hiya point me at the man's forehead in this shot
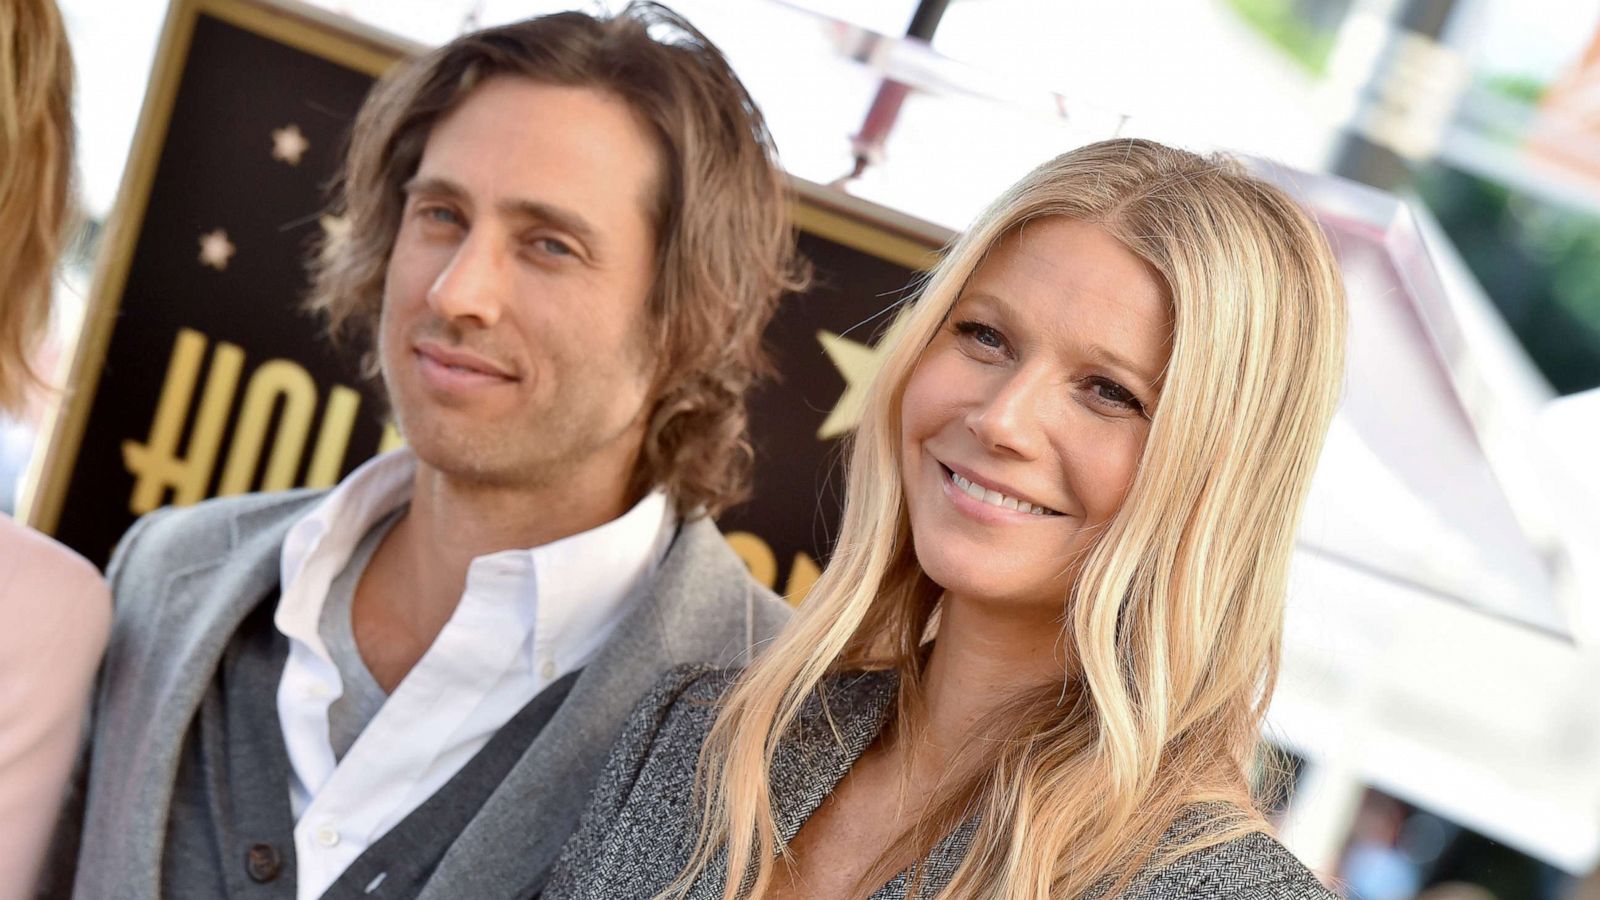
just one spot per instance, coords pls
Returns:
(517, 139)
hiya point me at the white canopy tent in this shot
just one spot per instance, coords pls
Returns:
(1440, 640)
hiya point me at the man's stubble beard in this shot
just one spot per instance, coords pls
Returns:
(547, 448)
(543, 449)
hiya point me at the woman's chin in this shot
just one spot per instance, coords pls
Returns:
(981, 564)
(995, 593)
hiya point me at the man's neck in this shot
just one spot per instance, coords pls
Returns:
(453, 521)
(416, 577)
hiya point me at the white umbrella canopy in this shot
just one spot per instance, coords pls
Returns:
(1569, 432)
(1436, 642)
(1489, 724)
(1424, 479)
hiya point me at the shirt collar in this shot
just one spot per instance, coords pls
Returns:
(318, 546)
(586, 582)
(569, 592)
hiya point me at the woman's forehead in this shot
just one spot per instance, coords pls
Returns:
(1062, 274)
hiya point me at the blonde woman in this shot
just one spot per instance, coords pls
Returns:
(54, 608)
(1037, 663)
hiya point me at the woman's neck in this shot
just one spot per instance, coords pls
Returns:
(982, 658)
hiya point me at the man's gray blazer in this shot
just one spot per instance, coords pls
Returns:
(183, 580)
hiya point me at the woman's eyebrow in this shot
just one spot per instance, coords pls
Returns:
(1108, 357)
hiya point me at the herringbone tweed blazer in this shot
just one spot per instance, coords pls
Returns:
(639, 829)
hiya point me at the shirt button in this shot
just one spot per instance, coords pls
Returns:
(262, 863)
(548, 670)
(328, 836)
(316, 690)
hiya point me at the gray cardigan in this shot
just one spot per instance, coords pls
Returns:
(183, 581)
(639, 829)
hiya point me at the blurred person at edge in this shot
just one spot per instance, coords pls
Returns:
(54, 604)
(566, 236)
(1037, 663)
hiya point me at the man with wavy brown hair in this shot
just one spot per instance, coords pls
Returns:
(565, 238)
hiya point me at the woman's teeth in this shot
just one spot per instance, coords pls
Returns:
(995, 498)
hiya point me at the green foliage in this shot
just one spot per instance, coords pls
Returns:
(1538, 261)
(1524, 88)
(1281, 23)
(1568, 244)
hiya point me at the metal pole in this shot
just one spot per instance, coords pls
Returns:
(925, 21)
(885, 109)
(1404, 82)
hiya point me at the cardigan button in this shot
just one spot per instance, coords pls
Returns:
(263, 863)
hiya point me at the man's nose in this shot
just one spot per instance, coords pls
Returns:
(475, 284)
(1009, 420)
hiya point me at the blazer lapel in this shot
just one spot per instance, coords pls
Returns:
(148, 708)
(822, 748)
(695, 609)
(815, 756)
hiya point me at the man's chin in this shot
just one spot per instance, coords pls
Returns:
(460, 453)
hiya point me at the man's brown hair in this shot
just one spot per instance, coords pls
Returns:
(725, 247)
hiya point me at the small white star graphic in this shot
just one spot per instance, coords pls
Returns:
(216, 249)
(289, 144)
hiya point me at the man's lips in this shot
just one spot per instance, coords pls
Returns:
(461, 361)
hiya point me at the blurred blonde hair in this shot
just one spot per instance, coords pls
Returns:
(36, 144)
(1173, 626)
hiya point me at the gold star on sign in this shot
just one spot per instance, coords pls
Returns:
(289, 144)
(857, 363)
(216, 249)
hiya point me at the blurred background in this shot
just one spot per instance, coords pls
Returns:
(1439, 707)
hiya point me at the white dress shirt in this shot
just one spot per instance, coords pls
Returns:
(526, 618)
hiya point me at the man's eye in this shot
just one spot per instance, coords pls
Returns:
(554, 247)
(444, 215)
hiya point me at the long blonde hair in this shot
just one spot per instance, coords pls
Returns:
(36, 144)
(1174, 624)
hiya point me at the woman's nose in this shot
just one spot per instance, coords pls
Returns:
(1009, 420)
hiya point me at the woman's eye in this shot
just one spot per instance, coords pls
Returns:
(1107, 391)
(982, 335)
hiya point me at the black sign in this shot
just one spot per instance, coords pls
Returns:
(199, 375)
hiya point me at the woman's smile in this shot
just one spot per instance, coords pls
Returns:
(981, 498)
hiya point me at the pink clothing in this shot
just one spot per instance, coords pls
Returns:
(55, 615)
